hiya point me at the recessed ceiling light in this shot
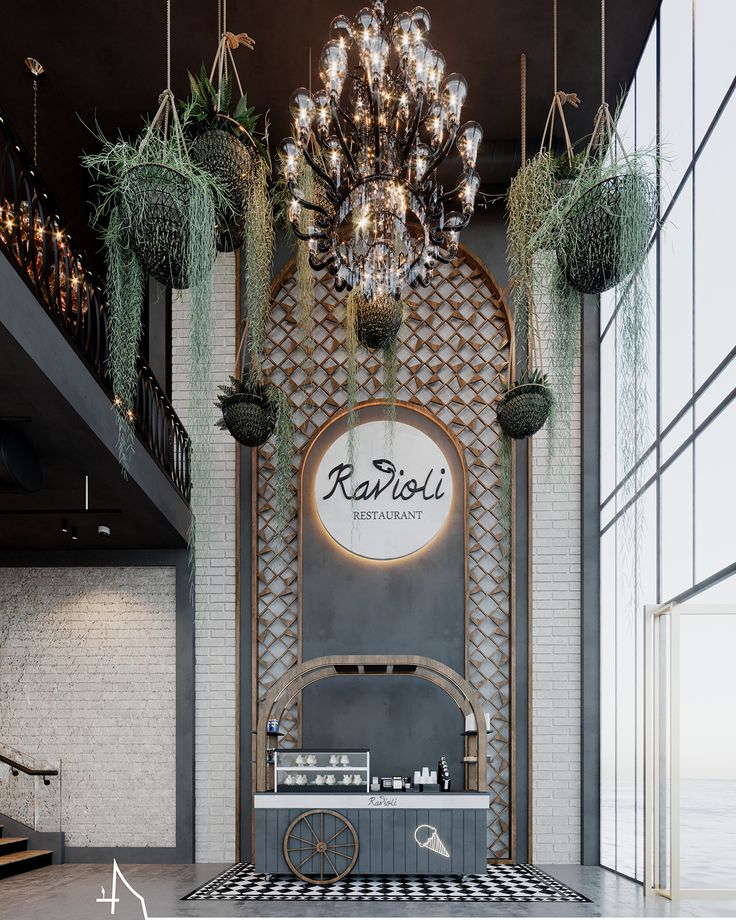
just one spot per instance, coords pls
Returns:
(64, 525)
(74, 533)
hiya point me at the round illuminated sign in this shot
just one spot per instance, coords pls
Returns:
(397, 499)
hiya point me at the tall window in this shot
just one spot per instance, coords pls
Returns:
(683, 98)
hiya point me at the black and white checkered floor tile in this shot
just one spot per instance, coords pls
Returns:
(500, 883)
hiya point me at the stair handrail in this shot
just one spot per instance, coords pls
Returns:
(17, 767)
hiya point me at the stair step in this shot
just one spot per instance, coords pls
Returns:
(10, 845)
(15, 863)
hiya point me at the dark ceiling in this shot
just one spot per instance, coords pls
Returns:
(106, 60)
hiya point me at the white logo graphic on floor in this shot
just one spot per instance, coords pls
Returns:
(427, 838)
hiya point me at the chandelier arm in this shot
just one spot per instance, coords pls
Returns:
(305, 203)
(441, 154)
(340, 136)
(317, 265)
(301, 235)
(376, 129)
(324, 176)
(414, 125)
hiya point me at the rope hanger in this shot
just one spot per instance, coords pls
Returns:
(604, 127)
(166, 118)
(559, 99)
(227, 42)
(533, 333)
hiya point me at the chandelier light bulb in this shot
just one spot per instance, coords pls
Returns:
(468, 142)
(421, 58)
(289, 157)
(341, 31)
(454, 95)
(302, 110)
(366, 23)
(470, 186)
(421, 21)
(380, 218)
(402, 33)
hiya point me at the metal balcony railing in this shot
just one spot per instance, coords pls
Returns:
(33, 237)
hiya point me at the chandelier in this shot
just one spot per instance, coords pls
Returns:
(374, 138)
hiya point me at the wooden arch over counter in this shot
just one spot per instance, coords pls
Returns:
(287, 688)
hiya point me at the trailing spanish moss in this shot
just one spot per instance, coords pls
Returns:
(125, 290)
(156, 212)
(259, 242)
(351, 347)
(283, 456)
(391, 374)
(530, 198)
(305, 278)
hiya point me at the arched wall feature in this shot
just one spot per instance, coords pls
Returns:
(454, 362)
(283, 693)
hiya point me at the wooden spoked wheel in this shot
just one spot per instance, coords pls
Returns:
(321, 847)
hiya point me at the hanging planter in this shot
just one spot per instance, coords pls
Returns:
(523, 410)
(225, 139)
(606, 231)
(154, 202)
(378, 320)
(249, 410)
(253, 410)
(226, 157)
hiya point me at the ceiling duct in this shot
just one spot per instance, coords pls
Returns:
(20, 470)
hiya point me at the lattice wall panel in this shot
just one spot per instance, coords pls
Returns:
(454, 361)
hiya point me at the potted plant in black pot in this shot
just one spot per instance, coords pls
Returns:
(524, 408)
(253, 410)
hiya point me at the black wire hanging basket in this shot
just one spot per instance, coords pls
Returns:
(156, 201)
(378, 320)
(606, 232)
(230, 160)
(250, 417)
(524, 409)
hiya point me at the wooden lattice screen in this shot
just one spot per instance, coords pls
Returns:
(454, 361)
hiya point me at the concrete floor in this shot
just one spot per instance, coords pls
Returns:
(69, 892)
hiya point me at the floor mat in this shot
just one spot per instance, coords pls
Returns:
(500, 883)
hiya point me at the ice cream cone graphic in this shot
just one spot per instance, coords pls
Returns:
(427, 838)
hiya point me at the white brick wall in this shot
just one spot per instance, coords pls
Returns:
(556, 660)
(215, 672)
(88, 676)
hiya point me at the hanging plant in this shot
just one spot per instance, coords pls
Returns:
(524, 407)
(156, 213)
(253, 409)
(225, 137)
(604, 233)
(377, 320)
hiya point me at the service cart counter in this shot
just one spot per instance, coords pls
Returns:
(318, 814)
(400, 833)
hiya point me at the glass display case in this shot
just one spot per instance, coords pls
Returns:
(312, 771)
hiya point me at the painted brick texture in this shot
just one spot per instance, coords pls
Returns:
(215, 587)
(556, 654)
(88, 677)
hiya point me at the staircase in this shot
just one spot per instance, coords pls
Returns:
(15, 857)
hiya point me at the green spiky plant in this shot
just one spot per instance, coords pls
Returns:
(214, 108)
(120, 173)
